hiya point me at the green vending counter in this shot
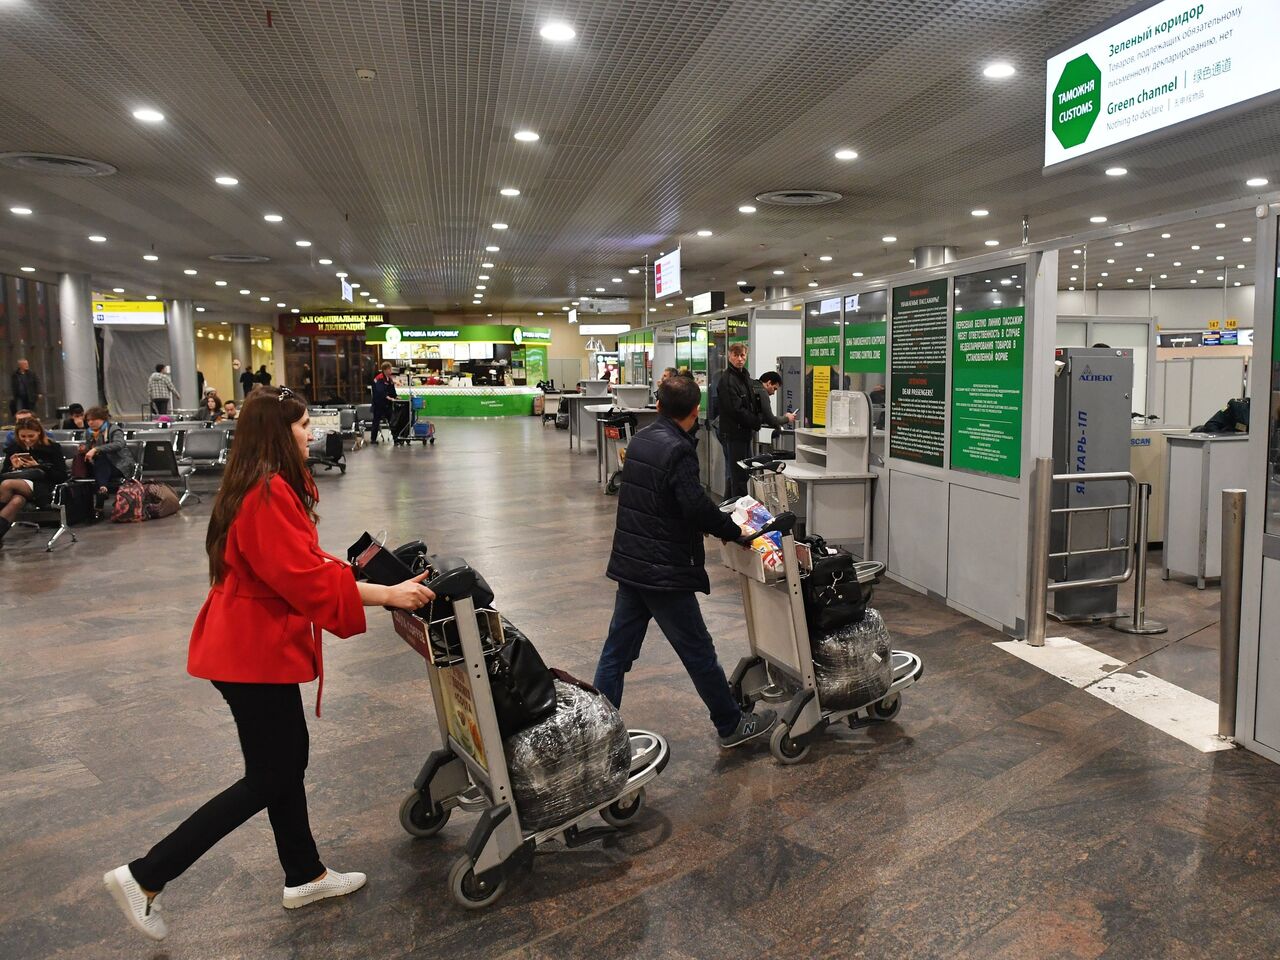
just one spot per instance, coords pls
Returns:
(471, 401)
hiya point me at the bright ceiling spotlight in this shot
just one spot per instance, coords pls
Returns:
(509, 192)
(526, 136)
(557, 31)
(272, 217)
(1115, 171)
(97, 238)
(889, 239)
(1098, 219)
(500, 226)
(492, 249)
(1000, 70)
(225, 181)
(979, 212)
(704, 233)
(302, 243)
(21, 211)
(324, 261)
(27, 269)
(147, 115)
(992, 243)
(825, 258)
(117, 289)
(1256, 182)
(189, 272)
(219, 283)
(856, 273)
(846, 154)
(150, 256)
(746, 208)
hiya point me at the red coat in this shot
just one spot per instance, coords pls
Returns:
(262, 622)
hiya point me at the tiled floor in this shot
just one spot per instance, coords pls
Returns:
(1005, 814)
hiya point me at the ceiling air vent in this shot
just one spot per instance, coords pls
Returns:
(240, 258)
(799, 198)
(55, 164)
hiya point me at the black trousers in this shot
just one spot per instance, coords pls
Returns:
(159, 407)
(273, 737)
(735, 477)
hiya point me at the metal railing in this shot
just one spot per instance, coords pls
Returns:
(1130, 508)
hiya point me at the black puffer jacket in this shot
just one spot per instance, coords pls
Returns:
(663, 513)
(736, 397)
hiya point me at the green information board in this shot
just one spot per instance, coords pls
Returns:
(864, 347)
(918, 378)
(535, 363)
(986, 391)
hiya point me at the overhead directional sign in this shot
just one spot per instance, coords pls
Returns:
(138, 313)
(1174, 61)
(666, 275)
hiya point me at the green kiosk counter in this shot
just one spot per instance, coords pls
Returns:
(472, 401)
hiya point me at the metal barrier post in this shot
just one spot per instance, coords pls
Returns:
(1233, 506)
(1038, 550)
(1138, 622)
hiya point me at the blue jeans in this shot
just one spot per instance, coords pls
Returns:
(680, 619)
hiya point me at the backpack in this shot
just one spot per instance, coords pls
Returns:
(130, 503)
(160, 501)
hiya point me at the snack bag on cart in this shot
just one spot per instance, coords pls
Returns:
(750, 512)
(572, 761)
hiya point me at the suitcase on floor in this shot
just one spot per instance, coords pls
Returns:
(562, 415)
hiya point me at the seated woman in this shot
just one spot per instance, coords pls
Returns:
(75, 418)
(210, 410)
(11, 435)
(106, 452)
(33, 465)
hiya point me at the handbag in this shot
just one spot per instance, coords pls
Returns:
(524, 691)
(833, 596)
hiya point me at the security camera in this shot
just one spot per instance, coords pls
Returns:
(746, 288)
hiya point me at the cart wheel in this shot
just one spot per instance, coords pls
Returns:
(784, 749)
(887, 708)
(432, 441)
(468, 890)
(621, 812)
(418, 820)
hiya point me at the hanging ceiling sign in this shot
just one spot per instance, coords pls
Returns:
(666, 275)
(1173, 62)
(604, 305)
(474, 333)
(136, 313)
(295, 324)
(347, 293)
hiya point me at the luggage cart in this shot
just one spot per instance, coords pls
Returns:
(781, 659)
(406, 428)
(470, 771)
(617, 429)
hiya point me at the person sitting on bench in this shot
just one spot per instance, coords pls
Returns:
(33, 466)
(107, 452)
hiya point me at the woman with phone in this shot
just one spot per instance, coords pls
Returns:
(257, 638)
(33, 466)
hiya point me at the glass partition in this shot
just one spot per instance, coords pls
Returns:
(1272, 527)
(864, 357)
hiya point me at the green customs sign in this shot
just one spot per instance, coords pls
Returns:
(864, 347)
(918, 374)
(986, 391)
(1077, 100)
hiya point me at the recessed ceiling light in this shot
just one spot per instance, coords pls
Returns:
(150, 256)
(1149, 255)
(483, 276)
(979, 212)
(704, 233)
(117, 289)
(509, 192)
(499, 226)
(324, 261)
(1116, 171)
(272, 217)
(557, 31)
(746, 208)
(487, 265)
(615, 279)
(825, 258)
(1195, 246)
(1221, 278)
(1165, 236)
(634, 270)
(1246, 239)
(294, 310)
(97, 238)
(151, 296)
(889, 239)
(1137, 269)
(280, 303)
(27, 269)
(599, 289)
(1177, 263)
(747, 300)
(1110, 260)
(481, 286)
(1240, 266)
(1128, 280)
(199, 309)
(354, 286)
(341, 273)
(651, 309)
(147, 115)
(1075, 278)
(302, 243)
(1119, 243)
(778, 273)
(856, 273)
(576, 302)
(492, 249)
(1193, 280)
(1220, 257)
(265, 299)
(245, 292)
(992, 243)
(1098, 219)
(1105, 274)
(1164, 276)
(21, 211)
(1256, 182)
(526, 136)
(219, 283)
(225, 181)
(1199, 271)
(813, 283)
(1220, 226)
(668, 304)
(999, 70)
(1075, 266)
(1075, 251)
(846, 154)
(189, 272)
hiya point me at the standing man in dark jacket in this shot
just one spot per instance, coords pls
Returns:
(658, 562)
(248, 381)
(739, 418)
(383, 391)
(769, 384)
(24, 392)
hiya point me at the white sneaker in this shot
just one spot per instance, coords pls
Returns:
(137, 906)
(333, 884)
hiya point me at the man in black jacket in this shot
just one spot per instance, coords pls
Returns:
(24, 389)
(658, 562)
(739, 418)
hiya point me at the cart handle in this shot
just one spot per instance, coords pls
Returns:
(783, 523)
(755, 466)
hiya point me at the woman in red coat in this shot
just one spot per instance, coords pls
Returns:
(257, 637)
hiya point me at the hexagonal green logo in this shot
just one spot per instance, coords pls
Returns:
(1077, 101)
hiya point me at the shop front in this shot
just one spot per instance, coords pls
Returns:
(327, 356)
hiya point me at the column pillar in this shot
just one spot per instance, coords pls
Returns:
(934, 256)
(79, 347)
(242, 350)
(180, 320)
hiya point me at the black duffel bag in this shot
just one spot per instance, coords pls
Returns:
(524, 691)
(833, 597)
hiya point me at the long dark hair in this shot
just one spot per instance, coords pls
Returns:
(264, 446)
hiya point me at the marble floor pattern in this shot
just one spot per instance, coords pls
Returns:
(1004, 814)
